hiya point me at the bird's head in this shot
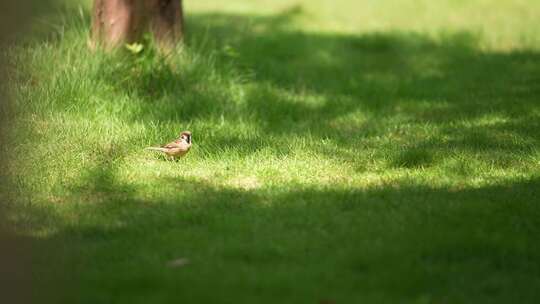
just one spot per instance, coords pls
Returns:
(186, 136)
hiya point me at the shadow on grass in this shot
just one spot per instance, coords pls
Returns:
(302, 83)
(424, 93)
(387, 244)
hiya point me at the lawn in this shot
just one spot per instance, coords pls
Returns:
(344, 152)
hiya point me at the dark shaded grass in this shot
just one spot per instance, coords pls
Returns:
(401, 243)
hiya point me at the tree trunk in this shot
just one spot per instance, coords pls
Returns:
(167, 21)
(115, 22)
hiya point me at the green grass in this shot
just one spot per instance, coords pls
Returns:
(344, 151)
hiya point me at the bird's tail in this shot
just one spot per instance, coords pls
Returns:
(156, 149)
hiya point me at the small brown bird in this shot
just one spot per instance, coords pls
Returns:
(177, 148)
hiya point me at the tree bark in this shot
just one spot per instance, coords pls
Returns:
(115, 22)
(167, 21)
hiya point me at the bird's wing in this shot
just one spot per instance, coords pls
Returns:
(172, 145)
